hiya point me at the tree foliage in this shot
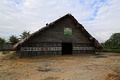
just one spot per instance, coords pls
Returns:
(2, 40)
(24, 34)
(113, 42)
(13, 39)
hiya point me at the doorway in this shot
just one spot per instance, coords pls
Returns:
(66, 48)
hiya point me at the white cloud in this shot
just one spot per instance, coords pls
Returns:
(19, 15)
(106, 22)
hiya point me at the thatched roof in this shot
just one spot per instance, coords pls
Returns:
(84, 31)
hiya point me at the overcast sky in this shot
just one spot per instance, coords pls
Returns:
(101, 18)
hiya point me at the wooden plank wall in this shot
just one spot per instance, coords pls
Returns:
(55, 49)
(82, 48)
(41, 49)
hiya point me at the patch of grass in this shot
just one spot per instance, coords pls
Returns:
(116, 54)
(101, 56)
(8, 73)
(14, 56)
(44, 69)
(5, 52)
(112, 50)
(50, 78)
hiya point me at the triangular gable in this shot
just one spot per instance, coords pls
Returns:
(84, 31)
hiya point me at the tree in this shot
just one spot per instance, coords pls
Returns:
(113, 42)
(24, 34)
(2, 41)
(13, 39)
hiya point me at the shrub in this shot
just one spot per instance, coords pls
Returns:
(5, 52)
(112, 50)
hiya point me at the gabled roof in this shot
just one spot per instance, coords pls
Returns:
(81, 28)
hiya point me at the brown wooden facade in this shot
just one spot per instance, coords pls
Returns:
(51, 40)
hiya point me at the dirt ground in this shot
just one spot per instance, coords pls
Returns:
(103, 66)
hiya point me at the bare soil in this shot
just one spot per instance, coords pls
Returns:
(103, 66)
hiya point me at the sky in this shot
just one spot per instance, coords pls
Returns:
(101, 18)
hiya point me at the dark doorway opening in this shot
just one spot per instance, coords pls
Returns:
(66, 48)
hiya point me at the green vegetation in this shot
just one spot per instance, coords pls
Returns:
(50, 78)
(2, 40)
(5, 52)
(112, 50)
(43, 69)
(112, 44)
(14, 56)
(14, 39)
(24, 34)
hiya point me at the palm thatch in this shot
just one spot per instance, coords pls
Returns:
(81, 28)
